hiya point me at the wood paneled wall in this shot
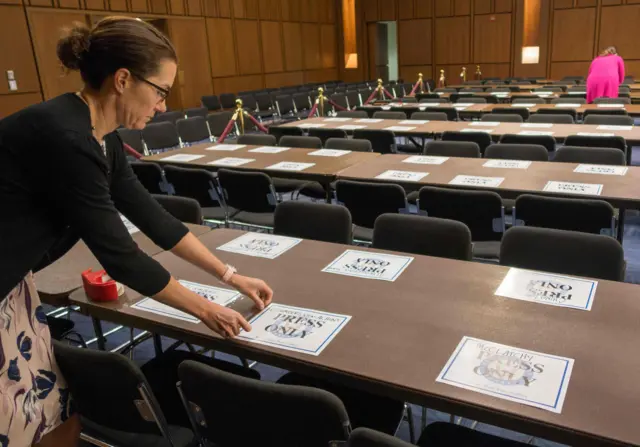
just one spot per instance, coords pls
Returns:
(223, 46)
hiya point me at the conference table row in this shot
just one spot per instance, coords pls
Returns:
(399, 338)
(536, 86)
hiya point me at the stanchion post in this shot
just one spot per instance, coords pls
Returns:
(478, 73)
(463, 75)
(442, 81)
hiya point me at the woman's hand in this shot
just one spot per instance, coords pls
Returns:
(254, 288)
(224, 321)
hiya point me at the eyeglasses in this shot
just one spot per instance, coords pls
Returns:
(162, 92)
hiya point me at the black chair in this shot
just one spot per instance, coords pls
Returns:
(409, 99)
(134, 415)
(382, 141)
(354, 99)
(528, 100)
(422, 235)
(591, 155)
(325, 134)
(287, 108)
(280, 131)
(300, 142)
(444, 434)
(352, 114)
(133, 137)
(196, 111)
(522, 111)
(228, 100)
(302, 102)
(200, 185)
(502, 117)
(584, 215)
(437, 100)
(547, 141)
(211, 102)
(564, 252)
(298, 416)
(463, 149)
(251, 194)
(184, 209)
(151, 176)
(218, 122)
(429, 116)
(368, 201)
(258, 140)
(530, 152)
(590, 141)
(612, 101)
(193, 130)
(421, 96)
(168, 117)
(481, 211)
(571, 100)
(265, 106)
(317, 221)
(452, 112)
(618, 112)
(390, 115)
(472, 100)
(609, 120)
(546, 116)
(482, 139)
(349, 144)
(163, 135)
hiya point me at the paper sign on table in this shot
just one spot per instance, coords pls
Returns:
(601, 169)
(290, 166)
(329, 153)
(542, 93)
(534, 125)
(526, 105)
(385, 107)
(608, 127)
(577, 93)
(596, 134)
(423, 108)
(472, 180)
(610, 106)
(270, 149)
(566, 105)
(484, 123)
(459, 107)
(351, 127)
(260, 245)
(510, 373)
(574, 188)
(215, 294)
(310, 125)
(407, 176)
(399, 128)
(226, 147)
(370, 265)
(477, 130)
(414, 122)
(131, 228)
(231, 161)
(500, 93)
(336, 120)
(425, 160)
(507, 164)
(535, 132)
(369, 120)
(182, 157)
(294, 328)
(463, 104)
(547, 288)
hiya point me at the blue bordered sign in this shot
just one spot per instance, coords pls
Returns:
(294, 328)
(528, 377)
(370, 265)
(548, 288)
(260, 245)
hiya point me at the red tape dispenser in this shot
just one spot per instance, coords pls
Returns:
(100, 287)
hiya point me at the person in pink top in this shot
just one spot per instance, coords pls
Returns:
(605, 75)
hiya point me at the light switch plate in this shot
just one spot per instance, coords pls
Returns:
(13, 85)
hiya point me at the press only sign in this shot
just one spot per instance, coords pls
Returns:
(295, 329)
(260, 245)
(369, 265)
(510, 373)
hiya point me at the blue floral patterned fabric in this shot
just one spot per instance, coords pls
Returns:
(34, 398)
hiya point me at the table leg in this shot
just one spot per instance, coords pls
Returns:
(97, 327)
(621, 216)
(327, 192)
(157, 344)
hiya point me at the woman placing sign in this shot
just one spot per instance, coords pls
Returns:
(64, 176)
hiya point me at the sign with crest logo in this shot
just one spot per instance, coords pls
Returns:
(260, 245)
(371, 265)
(295, 329)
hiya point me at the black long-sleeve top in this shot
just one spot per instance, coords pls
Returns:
(57, 185)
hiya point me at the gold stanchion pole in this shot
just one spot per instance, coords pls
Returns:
(463, 74)
(478, 73)
(321, 100)
(240, 114)
(442, 82)
(421, 82)
(379, 90)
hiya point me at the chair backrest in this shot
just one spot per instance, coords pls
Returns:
(132, 137)
(257, 139)
(564, 252)
(609, 120)
(197, 184)
(552, 118)
(218, 121)
(423, 235)
(297, 415)
(547, 141)
(585, 215)
(247, 191)
(194, 129)
(558, 111)
(161, 135)
(483, 139)
(184, 209)
(589, 141)
(522, 111)
(348, 144)
(612, 101)
(264, 101)
(280, 131)
(481, 211)
(101, 376)
(301, 100)
(409, 99)
(602, 111)
(285, 104)
(325, 134)
(502, 117)
(473, 100)
(150, 175)
(529, 152)
(340, 99)
(352, 114)
(528, 100)
(590, 155)
(354, 99)
(228, 100)
(196, 111)
(429, 116)
(249, 102)
(452, 112)
(365, 437)
(382, 141)
(318, 221)
(168, 117)
(211, 102)
(572, 100)
(301, 142)
(366, 201)
(463, 149)
(390, 115)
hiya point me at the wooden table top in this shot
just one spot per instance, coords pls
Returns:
(63, 276)
(632, 109)
(402, 333)
(324, 170)
(621, 191)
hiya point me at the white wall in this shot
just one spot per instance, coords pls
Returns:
(392, 41)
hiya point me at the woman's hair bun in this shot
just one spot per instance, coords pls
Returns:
(73, 46)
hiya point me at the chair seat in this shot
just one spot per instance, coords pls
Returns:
(362, 233)
(486, 250)
(443, 434)
(248, 218)
(182, 437)
(364, 409)
(287, 185)
(214, 213)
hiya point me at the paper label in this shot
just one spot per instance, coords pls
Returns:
(336, 120)
(310, 125)
(329, 153)
(399, 128)
(351, 127)
(414, 122)
(290, 166)
(260, 245)
(407, 176)
(185, 158)
(485, 123)
(596, 134)
(574, 188)
(226, 147)
(370, 265)
(425, 160)
(477, 130)
(610, 106)
(471, 180)
(369, 120)
(269, 149)
(535, 132)
(571, 106)
(231, 161)
(534, 125)
(507, 164)
(601, 169)
(604, 127)
(525, 105)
